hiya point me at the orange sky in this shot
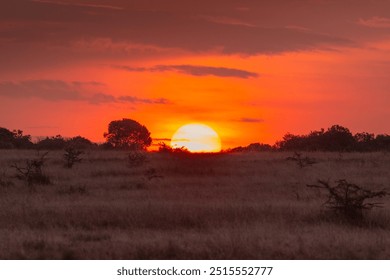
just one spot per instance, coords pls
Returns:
(252, 71)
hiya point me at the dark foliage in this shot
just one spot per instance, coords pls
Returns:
(136, 158)
(254, 147)
(72, 156)
(80, 143)
(53, 143)
(302, 161)
(128, 134)
(32, 171)
(335, 139)
(14, 139)
(349, 199)
(164, 148)
(131, 135)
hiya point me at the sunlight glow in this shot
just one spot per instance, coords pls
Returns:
(198, 138)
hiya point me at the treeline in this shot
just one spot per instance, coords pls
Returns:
(17, 140)
(335, 139)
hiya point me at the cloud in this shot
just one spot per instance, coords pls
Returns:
(134, 99)
(375, 22)
(250, 120)
(100, 98)
(58, 90)
(53, 90)
(227, 20)
(78, 4)
(161, 139)
(194, 70)
(171, 24)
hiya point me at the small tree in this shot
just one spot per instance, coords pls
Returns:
(80, 142)
(128, 134)
(349, 199)
(6, 139)
(136, 158)
(302, 161)
(72, 156)
(15, 139)
(53, 143)
(32, 172)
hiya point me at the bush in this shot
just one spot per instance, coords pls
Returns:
(136, 158)
(32, 172)
(52, 143)
(72, 156)
(349, 199)
(302, 161)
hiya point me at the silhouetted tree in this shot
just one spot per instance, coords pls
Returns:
(14, 139)
(335, 138)
(254, 147)
(79, 142)
(128, 134)
(6, 139)
(338, 138)
(365, 141)
(22, 141)
(52, 143)
(382, 142)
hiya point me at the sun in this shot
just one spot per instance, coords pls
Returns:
(196, 138)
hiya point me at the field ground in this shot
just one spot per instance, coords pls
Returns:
(228, 206)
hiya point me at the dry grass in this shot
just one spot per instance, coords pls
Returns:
(233, 206)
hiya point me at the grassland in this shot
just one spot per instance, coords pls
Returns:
(226, 206)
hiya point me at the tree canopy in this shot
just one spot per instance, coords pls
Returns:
(336, 138)
(128, 134)
(14, 139)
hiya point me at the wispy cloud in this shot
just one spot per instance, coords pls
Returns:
(194, 70)
(134, 99)
(58, 90)
(78, 4)
(250, 120)
(375, 22)
(227, 21)
(53, 90)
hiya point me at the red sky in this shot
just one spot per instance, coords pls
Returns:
(253, 70)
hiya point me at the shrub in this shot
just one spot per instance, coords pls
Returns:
(164, 148)
(349, 199)
(302, 161)
(53, 143)
(32, 172)
(136, 158)
(72, 156)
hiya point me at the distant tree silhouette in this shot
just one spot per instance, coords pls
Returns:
(254, 147)
(14, 139)
(53, 143)
(335, 138)
(79, 142)
(6, 139)
(128, 134)
(382, 142)
(338, 138)
(365, 141)
(22, 141)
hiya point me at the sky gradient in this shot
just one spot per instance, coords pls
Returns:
(252, 70)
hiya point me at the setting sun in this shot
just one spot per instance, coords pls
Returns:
(196, 138)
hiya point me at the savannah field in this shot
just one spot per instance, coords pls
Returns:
(221, 206)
